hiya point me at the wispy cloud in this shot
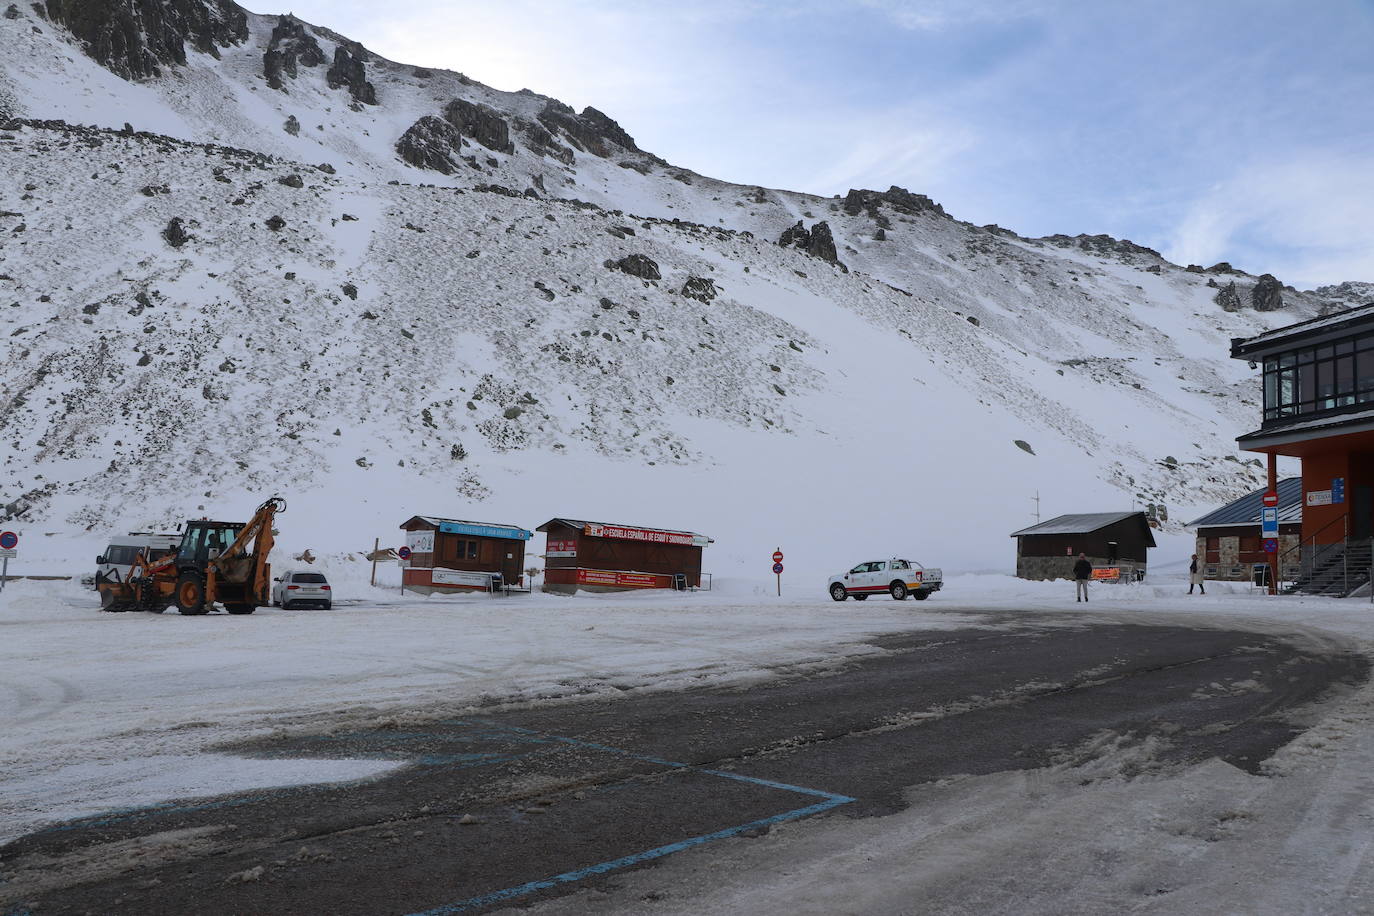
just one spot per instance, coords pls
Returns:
(1305, 219)
(1227, 130)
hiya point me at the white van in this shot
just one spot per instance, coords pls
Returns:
(114, 564)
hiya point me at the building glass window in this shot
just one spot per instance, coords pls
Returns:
(1329, 377)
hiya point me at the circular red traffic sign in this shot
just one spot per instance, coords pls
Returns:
(403, 553)
(777, 568)
(777, 556)
(1271, 499)
(8, 540)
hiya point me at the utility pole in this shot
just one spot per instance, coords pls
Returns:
(1036, 499)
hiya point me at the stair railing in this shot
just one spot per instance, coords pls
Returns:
(1307, 559)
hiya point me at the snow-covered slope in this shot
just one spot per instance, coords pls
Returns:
(206, 307)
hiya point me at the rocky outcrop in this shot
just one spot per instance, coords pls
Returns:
(1228, 298)
(290, 44)
(859, 200)
(607, 128)
(702, 289)
(480, 122)
(432, 143)
(1267, 294)
(1101, 244)
(136, 38)
(590, 131)
(542, 143)
(1347, 294)
(11, 12)
(175, 233)
(636, 265)
(349, 70)
(816, 241)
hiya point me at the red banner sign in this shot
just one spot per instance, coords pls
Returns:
(639, 534)
(1107, 572)
(619, 579)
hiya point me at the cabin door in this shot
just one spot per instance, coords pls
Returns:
(510, 564)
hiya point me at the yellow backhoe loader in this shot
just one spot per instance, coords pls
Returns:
(224, 562)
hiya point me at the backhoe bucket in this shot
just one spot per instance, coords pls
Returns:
(116, 596)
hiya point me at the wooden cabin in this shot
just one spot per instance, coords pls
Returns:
(453, 555)
(1115, 543)
(602, 557)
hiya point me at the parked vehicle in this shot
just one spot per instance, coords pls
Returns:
(897, 577)
(224, 562)
(114, 564)
(299, 587)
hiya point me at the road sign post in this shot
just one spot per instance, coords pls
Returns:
(9, 543)
(403, 557)
(1269, 530)
(777, 568)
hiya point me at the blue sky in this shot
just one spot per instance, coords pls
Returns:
(1210, 130)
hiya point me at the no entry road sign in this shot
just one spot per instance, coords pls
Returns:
(1270, 498)
(777, 556)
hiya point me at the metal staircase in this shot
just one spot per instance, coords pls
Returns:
(1335, 570)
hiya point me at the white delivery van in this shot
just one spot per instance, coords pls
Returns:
(119, 556)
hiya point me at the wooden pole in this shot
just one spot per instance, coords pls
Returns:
(376, 545)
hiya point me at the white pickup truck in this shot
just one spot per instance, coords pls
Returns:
(898, 578)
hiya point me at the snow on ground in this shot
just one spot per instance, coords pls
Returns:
(129, 703)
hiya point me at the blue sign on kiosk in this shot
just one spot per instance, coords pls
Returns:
(1337, 490)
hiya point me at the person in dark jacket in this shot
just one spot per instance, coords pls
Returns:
(1195, 577)
(1082, 574)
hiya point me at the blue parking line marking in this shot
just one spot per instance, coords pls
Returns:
(525, 736)
(832, 800)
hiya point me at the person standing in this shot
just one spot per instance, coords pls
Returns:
(1195, 577)
(1082, 574)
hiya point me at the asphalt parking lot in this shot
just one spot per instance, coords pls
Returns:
(509, 807)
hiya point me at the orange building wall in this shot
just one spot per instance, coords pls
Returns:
(1324, 523)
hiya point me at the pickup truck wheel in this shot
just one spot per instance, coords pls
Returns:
(837, 592)
(898, 590)
(922, 595)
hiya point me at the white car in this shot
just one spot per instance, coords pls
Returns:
(114, 564)
(895, 576)
(299, 587)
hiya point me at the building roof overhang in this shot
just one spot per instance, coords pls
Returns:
(1303, 437)
(1084, 523)
(476, 529)
(1304, 333)
(582, 525)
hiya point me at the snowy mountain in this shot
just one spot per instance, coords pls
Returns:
(275, 261)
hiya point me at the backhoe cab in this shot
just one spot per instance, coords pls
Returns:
(224, 562)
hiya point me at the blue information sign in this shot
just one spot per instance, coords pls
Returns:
(1337, 490)
(1269, 522)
